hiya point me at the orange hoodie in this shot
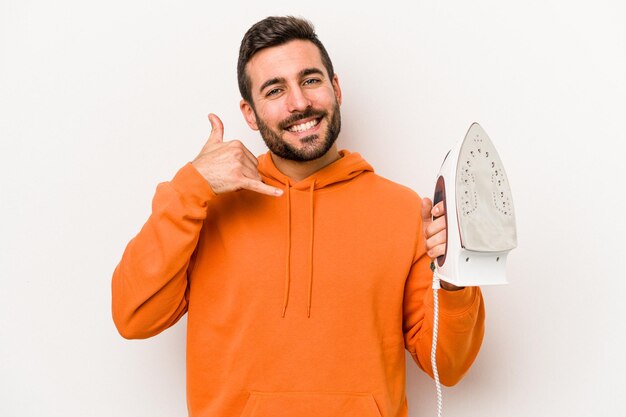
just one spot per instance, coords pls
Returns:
(298, 306)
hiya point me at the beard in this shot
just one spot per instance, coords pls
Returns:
(311, 149)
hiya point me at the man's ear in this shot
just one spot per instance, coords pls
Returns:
(248, 114)
(336, 88)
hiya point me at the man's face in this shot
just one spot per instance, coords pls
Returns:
(296, 105)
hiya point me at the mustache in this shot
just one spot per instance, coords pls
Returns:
(309, 112)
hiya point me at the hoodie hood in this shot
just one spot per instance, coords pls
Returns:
(347, 167)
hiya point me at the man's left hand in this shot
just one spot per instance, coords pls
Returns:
(435, 233)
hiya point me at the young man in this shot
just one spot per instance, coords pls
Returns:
(303, 288)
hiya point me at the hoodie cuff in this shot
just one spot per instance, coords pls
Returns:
(194, 188)
(452, 303)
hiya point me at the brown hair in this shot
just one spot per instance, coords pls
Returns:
(274, 31)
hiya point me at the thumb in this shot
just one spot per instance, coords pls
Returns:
(427, 206)
(217, 129)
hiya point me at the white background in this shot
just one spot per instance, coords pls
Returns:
(100, 101)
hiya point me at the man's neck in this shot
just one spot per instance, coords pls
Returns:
(297, 171)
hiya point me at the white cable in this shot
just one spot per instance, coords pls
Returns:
(433, 351)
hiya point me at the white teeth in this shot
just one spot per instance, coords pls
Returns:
(303, 126)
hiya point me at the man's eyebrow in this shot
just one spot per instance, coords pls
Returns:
(271, 81)
(278, 80)
(309, 71)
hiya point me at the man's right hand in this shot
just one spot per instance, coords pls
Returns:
(229, 166)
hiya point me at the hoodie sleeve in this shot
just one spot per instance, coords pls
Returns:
(461, 322)
(149, 285)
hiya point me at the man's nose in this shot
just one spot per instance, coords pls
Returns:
(297, 100)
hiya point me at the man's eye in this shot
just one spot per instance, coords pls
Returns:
(311, 81)
(273, 92)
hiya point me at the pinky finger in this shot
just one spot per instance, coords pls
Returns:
(260, 187)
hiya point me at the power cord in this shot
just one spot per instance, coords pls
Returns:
(433, 351)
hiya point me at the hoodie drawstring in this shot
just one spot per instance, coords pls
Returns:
(288, 257)
(308, 309)
(288, 267)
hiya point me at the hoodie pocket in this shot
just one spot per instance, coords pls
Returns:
(310, 404)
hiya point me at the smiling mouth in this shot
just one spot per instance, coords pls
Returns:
(301, 127)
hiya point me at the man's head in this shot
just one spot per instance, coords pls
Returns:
(289, 90)
(275, 31)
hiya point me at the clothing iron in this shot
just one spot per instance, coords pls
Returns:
(479, 213)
